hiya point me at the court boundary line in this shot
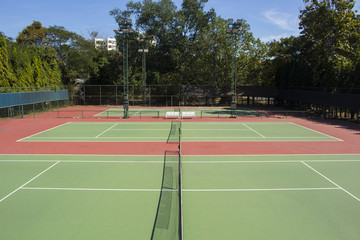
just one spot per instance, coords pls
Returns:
(257, 189)
(115, 155)
(183, 189)
(108, 129)
(183, 162)
(43, 131)
(96, 115)
(337, 139)
(262, 138)
(32, 179)
(331, 181)
(96, 189)
(253, 130)
(84, 161)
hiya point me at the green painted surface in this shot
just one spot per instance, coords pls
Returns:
(274, 197)
(159, 132)
(45, 214)
(282, 215)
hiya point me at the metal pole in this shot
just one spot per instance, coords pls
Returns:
(235, 29)
(214, 76)
(116, 95)
(144, 75)
(126, 77)
(233, 78)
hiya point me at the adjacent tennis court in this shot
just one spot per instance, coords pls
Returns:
(223, 197)
(191, 131)
(199, 112)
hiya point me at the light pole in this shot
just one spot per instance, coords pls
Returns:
(125, 29)
(234, 28)
(144, 51)
(146, 40)
(214, 80)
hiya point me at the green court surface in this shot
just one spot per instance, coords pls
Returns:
(191, 131)
(273, 197)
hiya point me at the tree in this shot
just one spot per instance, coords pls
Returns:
(330, 34)
(33, 35)
(6, 74)
(74, 52)
(192, 44)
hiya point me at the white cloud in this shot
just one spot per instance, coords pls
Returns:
(284, 21)
(274, 37)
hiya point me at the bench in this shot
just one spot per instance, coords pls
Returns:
(188, 114)
(172, 115)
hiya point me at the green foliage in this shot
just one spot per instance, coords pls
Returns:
(326, 54)
(33, 66)
(33, 35)
(192, 45)
(192, 49)
(74, 52)
(6, 74)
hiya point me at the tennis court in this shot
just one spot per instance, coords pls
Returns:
(223, 197)
(191, 131)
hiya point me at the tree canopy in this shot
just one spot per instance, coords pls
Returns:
(193, 48)
(192, 44)
(326, 54)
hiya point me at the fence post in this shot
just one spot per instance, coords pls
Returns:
(100, 95)
(22, 111)
(116, 97)
(149, 96)
(84, 96)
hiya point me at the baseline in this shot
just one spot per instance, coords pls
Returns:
(338, 139)
(331, 181)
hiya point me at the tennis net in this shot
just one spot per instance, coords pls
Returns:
(169, 219)
(174, 133)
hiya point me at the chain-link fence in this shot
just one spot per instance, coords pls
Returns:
(167, 95)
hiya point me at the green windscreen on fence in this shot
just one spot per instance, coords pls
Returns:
(26, 98)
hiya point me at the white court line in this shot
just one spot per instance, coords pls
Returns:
(87, 161)
(139, 129)
(190, 129)
(183, 161)
(90, 137)
(252, 155)
(106, 130)
(28, 182)
(184, 189)
(94, 189)
(43, 131)
(264, 161)
(317, 132)
(213, 129)
(185, 137)
(254, 130)
(98, 114)
(352, 195)
(257, 189)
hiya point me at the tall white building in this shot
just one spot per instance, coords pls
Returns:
(108, 44)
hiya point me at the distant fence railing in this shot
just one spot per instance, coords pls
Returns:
(208, 95)
(346, 101)
(26, 98)
(18, 104)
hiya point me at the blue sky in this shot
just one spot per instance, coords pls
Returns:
(268, 19)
